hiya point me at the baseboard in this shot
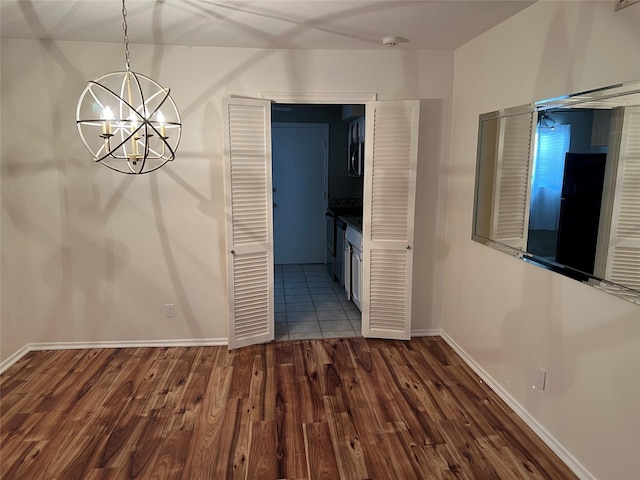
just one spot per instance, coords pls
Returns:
(204, 342)
(427, 332)
(32, 347)
(14, 358)
(571, 462)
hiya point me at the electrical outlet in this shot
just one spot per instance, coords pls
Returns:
(542, 378)
(169, 310)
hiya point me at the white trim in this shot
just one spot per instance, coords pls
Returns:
(33, 347)
(557, 448)
(14, 358)
(427, 332)
(204, 342)
(319, 97)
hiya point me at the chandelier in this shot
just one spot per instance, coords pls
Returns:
(128, 121)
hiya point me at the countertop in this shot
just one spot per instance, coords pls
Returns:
(354, 221)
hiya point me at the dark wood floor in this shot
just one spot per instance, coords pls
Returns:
(321, 409)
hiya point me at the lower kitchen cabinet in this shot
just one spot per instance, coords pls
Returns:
(356, 275)
(353, 259)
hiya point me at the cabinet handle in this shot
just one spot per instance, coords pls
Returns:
(408, 247)
(233, 252)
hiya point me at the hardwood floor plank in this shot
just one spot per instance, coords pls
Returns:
(262, 387)
(171, 455)
(352, 409)
(200, 462)
(376, 437)
(410, 413)
(262, 461)
(79, 454)
(484, 434)
(290, 438)
(504, 464)
(242, 367)
(102, 474)
(240, 455)
(284, 353)
(14, 462)
(408, 457)
(347, 447)
(465, 449)
(321, 459)
(311, 383)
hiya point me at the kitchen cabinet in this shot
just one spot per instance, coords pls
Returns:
(349, 112)
(346, 263)
(331, 244)
(341, 228)
(356, 276)
(353, 282)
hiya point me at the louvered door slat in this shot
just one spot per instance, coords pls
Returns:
(623, 263)
(249, 220)
(390, 176)
(510, 217)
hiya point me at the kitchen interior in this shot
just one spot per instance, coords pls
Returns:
(322, 300)
(567, 187)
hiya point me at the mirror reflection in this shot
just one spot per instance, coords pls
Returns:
(558, 184)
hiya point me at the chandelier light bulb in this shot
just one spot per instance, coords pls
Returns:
(161, 121)
(107, 114)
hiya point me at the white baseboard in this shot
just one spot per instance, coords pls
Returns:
(14, 358)
(32, 347)
(571, 462)
(427, 332)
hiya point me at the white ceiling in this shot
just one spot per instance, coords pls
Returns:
(305, 24)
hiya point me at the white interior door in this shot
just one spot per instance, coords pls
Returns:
(391, 158)
(623, 252)
(248, 198)
(512, 192)
(299, 191)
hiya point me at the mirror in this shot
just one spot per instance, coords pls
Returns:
(558, 185)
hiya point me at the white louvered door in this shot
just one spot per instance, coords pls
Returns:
(391, 157)
(623, 253)
(248, 197)
(510, 215)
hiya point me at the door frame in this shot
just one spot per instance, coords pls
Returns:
(321, 98)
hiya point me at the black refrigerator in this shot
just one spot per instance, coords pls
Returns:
(580, 210)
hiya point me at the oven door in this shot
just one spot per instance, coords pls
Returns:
(331, 245)
(331, 235)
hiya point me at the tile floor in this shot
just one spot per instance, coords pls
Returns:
(308, 304)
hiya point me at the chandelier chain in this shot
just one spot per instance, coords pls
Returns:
(126, 37)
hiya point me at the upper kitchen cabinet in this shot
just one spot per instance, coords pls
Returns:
(351, 112)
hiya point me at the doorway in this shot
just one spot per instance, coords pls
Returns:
(392, 132)
(310, 302)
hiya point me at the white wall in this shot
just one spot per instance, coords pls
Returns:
(512, 317)
(92, 255)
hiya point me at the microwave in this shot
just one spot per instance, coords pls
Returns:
(356, 159)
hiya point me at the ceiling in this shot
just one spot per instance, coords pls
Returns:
(299, 24)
